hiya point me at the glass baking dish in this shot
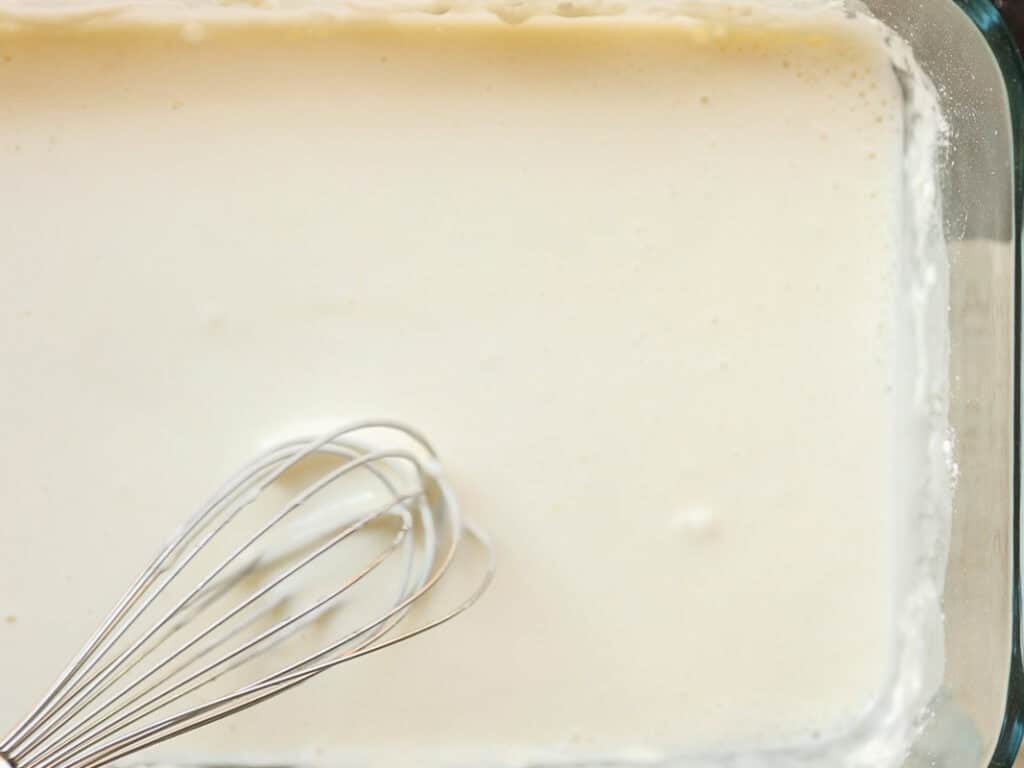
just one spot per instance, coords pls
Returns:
(970, 54)
(977, 716)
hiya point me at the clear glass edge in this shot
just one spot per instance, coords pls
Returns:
(1004, 48)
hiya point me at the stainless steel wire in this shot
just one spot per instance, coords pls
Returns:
(170, 657)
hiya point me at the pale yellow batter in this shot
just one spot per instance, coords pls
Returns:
(637, 280)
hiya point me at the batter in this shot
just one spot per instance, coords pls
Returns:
(637, 279)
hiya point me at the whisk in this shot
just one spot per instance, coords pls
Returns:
(191, 641)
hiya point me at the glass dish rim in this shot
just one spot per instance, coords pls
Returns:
(1005, 48)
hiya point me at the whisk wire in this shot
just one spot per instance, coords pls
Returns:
(102, 706)
(260, 692)
(132, 714)
(235, 497)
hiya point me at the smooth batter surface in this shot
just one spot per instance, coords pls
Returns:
(636, 281)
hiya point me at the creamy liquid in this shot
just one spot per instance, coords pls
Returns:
(638, 282)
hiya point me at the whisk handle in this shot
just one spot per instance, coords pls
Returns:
(6, 762)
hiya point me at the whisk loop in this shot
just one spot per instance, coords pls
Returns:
(149, 673)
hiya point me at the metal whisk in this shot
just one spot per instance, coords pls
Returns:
(217, 622)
